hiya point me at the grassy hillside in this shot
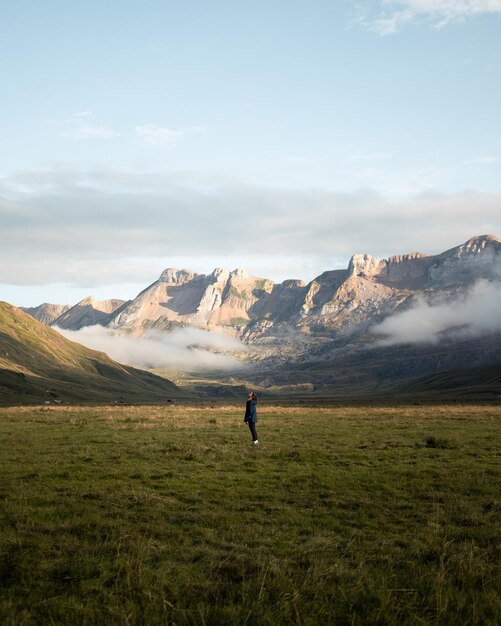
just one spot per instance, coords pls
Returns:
(169, 515)
(37, 363)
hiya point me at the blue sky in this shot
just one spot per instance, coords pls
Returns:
(282, 136)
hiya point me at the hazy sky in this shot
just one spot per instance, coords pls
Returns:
(279, 135)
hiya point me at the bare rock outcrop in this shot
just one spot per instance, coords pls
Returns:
(479, 257)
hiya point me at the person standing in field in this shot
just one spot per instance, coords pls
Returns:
(251, 415)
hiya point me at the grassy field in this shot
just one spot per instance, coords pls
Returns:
(169, 515)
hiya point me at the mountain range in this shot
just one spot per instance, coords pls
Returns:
(253, 307)
(323, 332)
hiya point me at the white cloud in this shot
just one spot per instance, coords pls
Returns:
(78, 128)
(84, 131)
(471, 316)
(184, 349)
(393, 15)
(158, 136)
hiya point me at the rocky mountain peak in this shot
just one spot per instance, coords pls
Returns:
(46, 312)
(220, 274)
(239, 273)
(290, 283)
(479, 257)
(484, 238)
(403, 258)
(88, 301)
(106, 306)
(476, 245)
(173, 275)
(364, 264)
(88, 312)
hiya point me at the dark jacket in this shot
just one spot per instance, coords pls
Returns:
(250, 411)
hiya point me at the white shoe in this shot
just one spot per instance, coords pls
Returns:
(255, 442)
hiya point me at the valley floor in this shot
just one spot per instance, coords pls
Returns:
(169, 515)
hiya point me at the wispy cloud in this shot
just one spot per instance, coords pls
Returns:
(471, 316)
(162, 136)
(157, 135)
(79, 127)
(90, 132)
(393, 15)
(185, 349)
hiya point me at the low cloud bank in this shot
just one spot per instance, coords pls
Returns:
(90, 228)
(477, 313)
(184, 349)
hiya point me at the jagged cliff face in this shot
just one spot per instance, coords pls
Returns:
(295, 317)
(374, 288)
(260, 310)
(222, 298)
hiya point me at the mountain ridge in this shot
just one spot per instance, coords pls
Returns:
(88, 312)
(259, 310)
(46, 312)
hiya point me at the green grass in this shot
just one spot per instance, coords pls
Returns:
(168, 515)
(239, 294)
(238, 321)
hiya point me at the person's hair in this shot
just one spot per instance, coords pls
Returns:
(254, 397)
